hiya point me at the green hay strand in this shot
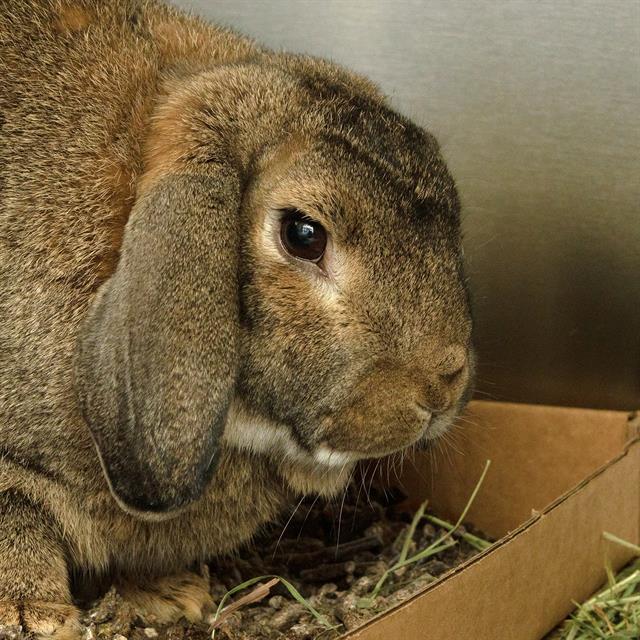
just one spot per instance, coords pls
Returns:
(295, 594)
(443, 543)
(614, 612)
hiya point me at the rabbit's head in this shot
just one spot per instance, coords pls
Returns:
(290, 283)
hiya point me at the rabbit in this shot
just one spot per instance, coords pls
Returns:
(227, 275)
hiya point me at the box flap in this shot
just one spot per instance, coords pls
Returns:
(526, 583)
(537, 452)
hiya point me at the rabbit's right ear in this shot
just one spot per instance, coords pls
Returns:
(157, 356)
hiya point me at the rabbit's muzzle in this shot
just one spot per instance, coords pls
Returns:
(394, 405)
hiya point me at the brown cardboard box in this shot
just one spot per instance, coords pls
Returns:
(559, 477)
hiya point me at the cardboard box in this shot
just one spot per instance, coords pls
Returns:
(559, 477)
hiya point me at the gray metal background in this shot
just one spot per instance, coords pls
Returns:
(536, 107)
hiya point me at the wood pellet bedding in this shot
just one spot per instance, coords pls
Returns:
(333, 553)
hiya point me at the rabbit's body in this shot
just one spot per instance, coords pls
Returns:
(73, 118)
(104, 107)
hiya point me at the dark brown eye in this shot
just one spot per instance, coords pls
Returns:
(302, 237)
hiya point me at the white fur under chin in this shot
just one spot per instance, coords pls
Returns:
(324, 470)
(261, 436)
(331, 458)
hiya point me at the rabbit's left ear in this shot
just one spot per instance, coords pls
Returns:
(157, 356)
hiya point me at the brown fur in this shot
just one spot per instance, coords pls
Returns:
(71, 19)
(168, 598)
(147, 314)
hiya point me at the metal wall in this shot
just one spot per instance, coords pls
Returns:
(536, 106)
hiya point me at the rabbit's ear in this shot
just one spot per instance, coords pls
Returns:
(157, 357)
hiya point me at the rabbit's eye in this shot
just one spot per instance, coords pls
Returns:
(302, 237)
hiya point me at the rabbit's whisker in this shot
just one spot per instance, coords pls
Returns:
(285, 526)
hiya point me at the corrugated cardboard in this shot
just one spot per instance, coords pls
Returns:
(559, 478)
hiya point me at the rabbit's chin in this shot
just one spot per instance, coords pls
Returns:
(258, 435)
(322, 470)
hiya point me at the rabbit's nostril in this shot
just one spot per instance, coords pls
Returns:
(451, 378)
(452, 364)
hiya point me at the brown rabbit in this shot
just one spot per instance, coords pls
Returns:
(226, 275)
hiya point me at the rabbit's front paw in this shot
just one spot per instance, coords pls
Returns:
(42, 620)
(167, 599)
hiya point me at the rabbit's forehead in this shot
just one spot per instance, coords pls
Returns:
(351, 187)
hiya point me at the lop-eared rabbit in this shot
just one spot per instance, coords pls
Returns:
(226, 275)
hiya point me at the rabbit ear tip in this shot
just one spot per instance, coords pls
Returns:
(154, 502)
(152, 487)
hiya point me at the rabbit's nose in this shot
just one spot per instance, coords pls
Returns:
(447, 378)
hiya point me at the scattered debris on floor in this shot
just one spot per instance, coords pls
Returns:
(324, 570)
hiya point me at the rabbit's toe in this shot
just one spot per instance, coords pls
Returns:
(42, 620)
(167, 599)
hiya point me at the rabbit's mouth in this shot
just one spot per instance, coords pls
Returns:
(325, 467)
(439, 424)
(247, 432)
